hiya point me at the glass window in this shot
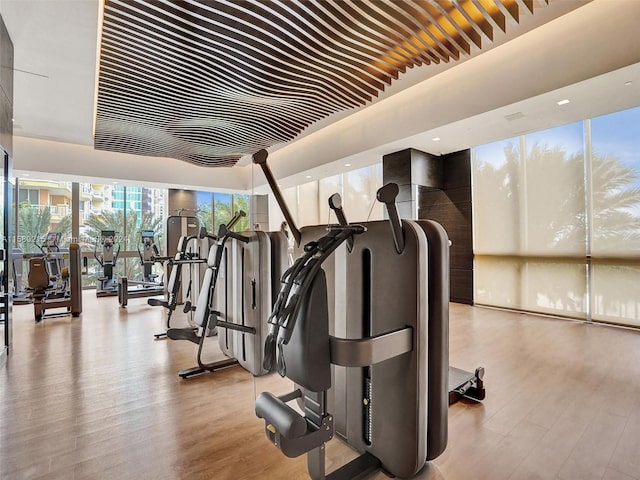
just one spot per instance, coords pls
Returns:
(204, 209)
(29, 195)
(615, 226)
(241, 202)
(545, 224)
(615, 170)
(127, 210)
(359, 197)
(308, 204)
(222, 209)
(145, 212)
(496, 197)
(529, 222)
(44, 206)
(103, 210)
(615, 290)
(554, 197)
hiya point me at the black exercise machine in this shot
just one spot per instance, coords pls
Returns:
(205, 315)
(377, 357)
(148, 286)
(461, 383)
(53, 291)
(107, 259)
(182, 258)
(236, 297)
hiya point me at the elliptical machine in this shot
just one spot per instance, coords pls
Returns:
(107, 286)
(148, 286)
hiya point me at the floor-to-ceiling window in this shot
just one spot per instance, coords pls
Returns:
(204, 210)
(44, 206)
(615, 217)
(556, 215)
(309, 205)
(216, 208)
(127, 211)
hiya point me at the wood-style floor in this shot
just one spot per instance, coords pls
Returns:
(97, 398)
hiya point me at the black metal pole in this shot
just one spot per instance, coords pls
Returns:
(260, 158)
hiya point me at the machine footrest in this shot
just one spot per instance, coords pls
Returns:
(466, 384)
(183, 334)
(156, 302)
(357, 469)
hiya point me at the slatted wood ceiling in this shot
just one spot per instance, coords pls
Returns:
(211, 81)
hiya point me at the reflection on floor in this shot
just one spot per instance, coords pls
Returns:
(96, 397)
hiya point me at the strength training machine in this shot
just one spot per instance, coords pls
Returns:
(236, 298)
(51, 290)
(361, 328)
(184, 257)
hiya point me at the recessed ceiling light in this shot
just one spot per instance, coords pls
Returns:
(308, 176)
(564, 102)
(436, 139)
(24, 174)
(347, 164)
(627, 83)
(115, 183)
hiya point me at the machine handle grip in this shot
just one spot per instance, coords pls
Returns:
(387, 195)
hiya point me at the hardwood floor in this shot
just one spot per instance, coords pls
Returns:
(96, 397)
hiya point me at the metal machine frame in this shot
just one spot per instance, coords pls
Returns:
(147, 287)
(364, 337)
(107, 260)
(43, 292)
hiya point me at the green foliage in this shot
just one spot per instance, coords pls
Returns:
(115, 220)
(222, 213)
(241, 202)
(204, 213)
(34, 224)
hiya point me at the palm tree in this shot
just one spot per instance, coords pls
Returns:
(204, 213)
(222, 213)
(34, 224)
(556, 215)
(127, 237)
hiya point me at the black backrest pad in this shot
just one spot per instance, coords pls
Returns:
(38, 274)
(307, 356)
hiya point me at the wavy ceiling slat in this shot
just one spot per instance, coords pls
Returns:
(235, 63)
(209, 82)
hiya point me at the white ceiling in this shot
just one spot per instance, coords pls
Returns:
(584, 51)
